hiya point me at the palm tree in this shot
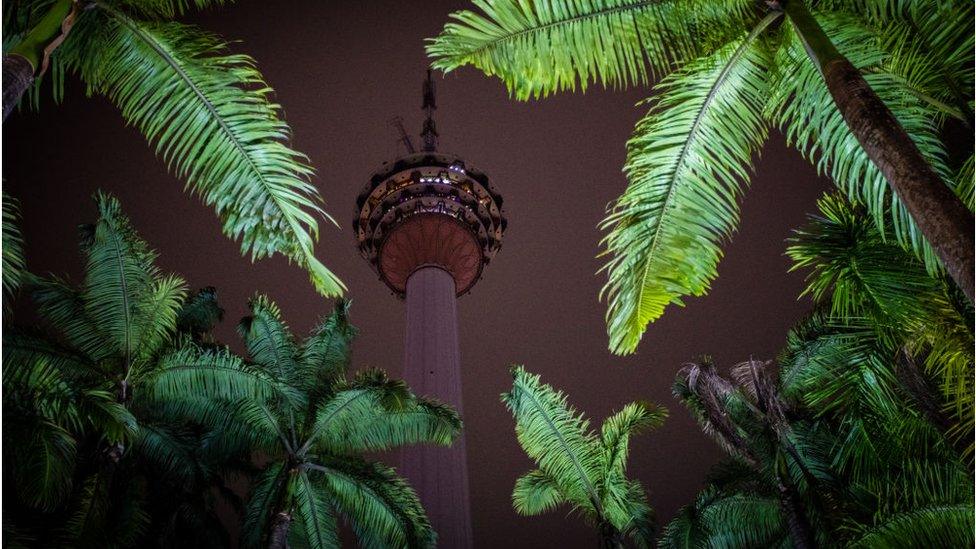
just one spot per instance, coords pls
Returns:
(209, 113)
(578, 467)
(97, 406)
(311, 437)
(921, 323)
(861, 89)
(873, 468)
(751, 421)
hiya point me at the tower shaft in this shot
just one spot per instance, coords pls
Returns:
(432, 367)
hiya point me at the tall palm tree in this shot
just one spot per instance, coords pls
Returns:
(97, 406)
(848, 83)
(311, 438)
(578, 467)
(209, 113)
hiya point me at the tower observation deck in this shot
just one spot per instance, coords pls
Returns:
(429, 224)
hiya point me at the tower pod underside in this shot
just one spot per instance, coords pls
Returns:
(429, 209)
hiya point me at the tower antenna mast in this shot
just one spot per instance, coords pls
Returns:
(429, 133)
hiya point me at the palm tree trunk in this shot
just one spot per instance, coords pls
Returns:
(801, 534)
(941, 216)
(610, 537)
(279, 531)
(28, 57)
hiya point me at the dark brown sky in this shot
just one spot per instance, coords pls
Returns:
(341, 70)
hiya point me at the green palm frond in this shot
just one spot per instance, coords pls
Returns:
(268, 340)
(315, 519)
(210, 117)
(803, 107)
(618, 428)
(167, 9)
(538, 48)
(931, 46)
(14, 262)
(965, 182)
(557, 438)
(108, 513)
(325, 352)
(120, 281)
(862, 275)
(638, 520)
(215, 373)
(167, 451)
(686, 164)
(731, 521)
(941, 526)
(536, 492)
(854, 269)
(376, 413)
(62, 305)
(383, 509)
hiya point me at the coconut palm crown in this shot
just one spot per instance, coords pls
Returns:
(862, 89)
(98, 400)
(313, 434)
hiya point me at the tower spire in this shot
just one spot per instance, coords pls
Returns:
(429, 133)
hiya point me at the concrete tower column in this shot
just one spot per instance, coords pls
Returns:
(432, 367)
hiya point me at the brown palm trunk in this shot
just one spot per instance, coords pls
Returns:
(30, 56)
(941, 216)
(18, 75)
(279, 531)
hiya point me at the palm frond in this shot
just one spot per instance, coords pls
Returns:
(108, 509)
(168, 452)
(942, 526)
(686, 164)
(41, 455)
(536, 492)
(539, 48)
(638, 520)
(211, 119)
(557, 438)
(618, 428)
(214, 373)
(268, 340)
(731, 521)
(119, 279)
(62, 306)
(376, 413)
(14, 262)
(316, 523)
(325, 352)
(383, 509)
(965, 182)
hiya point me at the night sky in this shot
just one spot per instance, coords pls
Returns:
(342, 70)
